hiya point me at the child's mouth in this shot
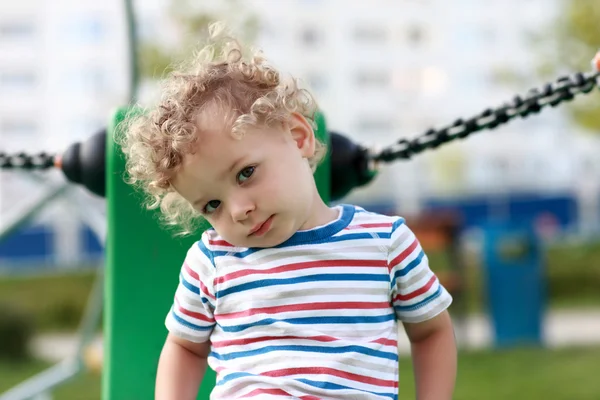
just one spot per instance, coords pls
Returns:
(263, 228)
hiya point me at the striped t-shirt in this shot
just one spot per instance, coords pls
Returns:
(312, 318)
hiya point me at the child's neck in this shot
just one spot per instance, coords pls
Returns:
(321, 214)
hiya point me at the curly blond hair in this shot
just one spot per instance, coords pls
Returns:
(247, 90)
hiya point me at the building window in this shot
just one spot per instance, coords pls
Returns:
(370, 34)
(18, 127)
(89, 29)
(373, 79)
(316, 81)
(17, 80)
(91, 79)
(374, 125)
(16, 30)
(85, 126)
(416, 35)
(311, 36)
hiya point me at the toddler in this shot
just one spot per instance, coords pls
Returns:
(284, 296)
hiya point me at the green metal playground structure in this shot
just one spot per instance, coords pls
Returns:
(142, 262)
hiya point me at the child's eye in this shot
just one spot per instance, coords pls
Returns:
(245, 174)
(211, 206)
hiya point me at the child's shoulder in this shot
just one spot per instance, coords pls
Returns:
(364, 215)
(213, 241)
(209, 243)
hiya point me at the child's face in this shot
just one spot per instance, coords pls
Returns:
(256, 191)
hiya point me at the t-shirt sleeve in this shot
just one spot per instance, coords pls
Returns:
(416, 292)
(192, 314)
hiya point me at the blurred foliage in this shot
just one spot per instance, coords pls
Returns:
(56, 303)
(572, 273)
(16, 331)
(191, 20)
(568, 45)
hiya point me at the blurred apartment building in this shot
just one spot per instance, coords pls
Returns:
(63, 69)
(381, 70)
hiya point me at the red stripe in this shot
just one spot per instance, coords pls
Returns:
(277, 392)
(321, 338)
(331, 372)
(220, 243)
(191, 272)
(404, 254)
(386, 342)
(372, 225)
(194, 275)
(241, 342)
(306, 307)
(412, 295)
(192, 314)
(205, 290)
(304, 265)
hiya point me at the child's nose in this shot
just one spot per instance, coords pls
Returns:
(241, 209)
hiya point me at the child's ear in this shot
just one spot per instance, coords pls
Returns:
(303, 134)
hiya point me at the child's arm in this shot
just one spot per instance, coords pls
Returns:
(420, 302)
(181, 368)
(434, 357)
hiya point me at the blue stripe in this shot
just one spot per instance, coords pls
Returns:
(301, 279)
(398, 223)
(205, 250)
(420, 304)
(192, 288)
(335, 386)
(332, 239)
(353, 236)
(233, 376)
(324, 232)
(307, 349)
(312, 320)
(321, 385)
(196, 290)
(188, 324)
(409, 267)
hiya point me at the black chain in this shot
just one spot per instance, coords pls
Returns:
(26, 161)
(564, 89)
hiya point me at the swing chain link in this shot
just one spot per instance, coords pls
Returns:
(39, 161)
(563, 89)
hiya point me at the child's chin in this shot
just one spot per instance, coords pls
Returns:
(269, 240)
(265, 243)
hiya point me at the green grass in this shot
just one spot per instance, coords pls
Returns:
(85, 386)
(574, 275)
(56, 302)
(564, 374)
(13, 373)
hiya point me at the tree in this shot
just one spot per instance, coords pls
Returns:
(190, 20)
(575, 39)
